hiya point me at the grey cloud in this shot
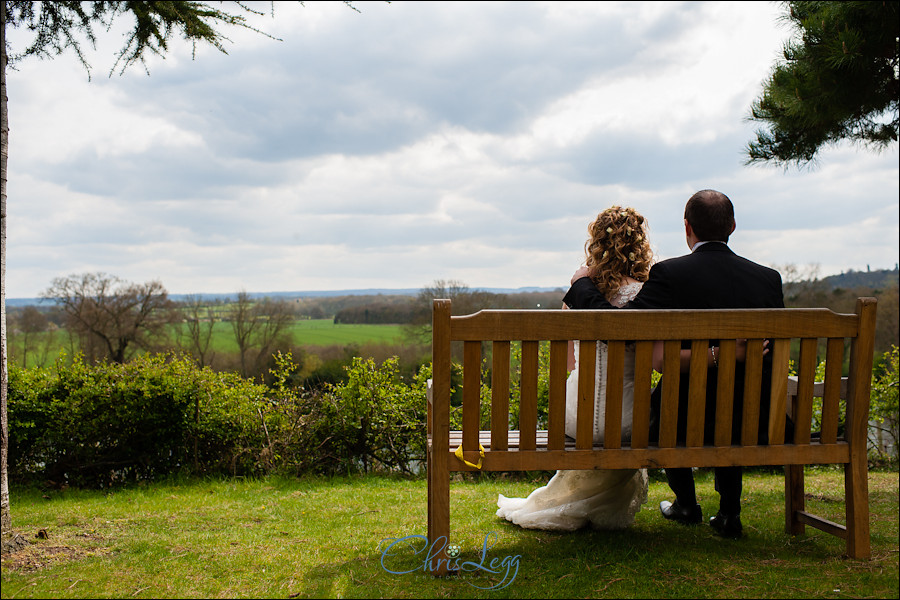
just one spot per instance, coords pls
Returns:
(379, 83)
(157, 173)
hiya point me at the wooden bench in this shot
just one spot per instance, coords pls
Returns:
(526, 447)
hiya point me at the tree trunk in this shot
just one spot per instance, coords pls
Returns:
(10, 541)
(5, 519)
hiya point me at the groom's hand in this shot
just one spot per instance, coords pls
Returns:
(580, 273)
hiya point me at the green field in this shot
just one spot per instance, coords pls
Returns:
(306, 332)
(319, 332)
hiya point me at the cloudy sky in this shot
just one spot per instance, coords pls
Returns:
(418, 141)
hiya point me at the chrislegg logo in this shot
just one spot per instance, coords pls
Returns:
(396, 553)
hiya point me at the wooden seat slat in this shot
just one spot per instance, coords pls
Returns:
(697, 399)
(778, 398)
(471, 394)
(834, 361)
(668, 412)
(643, 368)
(528, 395)
(615, 369)
(753, 365)
(557, 395)
(725, 392)
(500, 395)
(652, 325)
(584, 428)
(802, 404)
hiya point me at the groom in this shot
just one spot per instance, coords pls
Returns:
(711, 276)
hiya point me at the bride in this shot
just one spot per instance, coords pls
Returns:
(618, 256)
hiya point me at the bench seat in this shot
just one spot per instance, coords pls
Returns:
(807, 334)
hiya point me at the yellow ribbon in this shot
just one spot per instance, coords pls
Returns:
(459, 455)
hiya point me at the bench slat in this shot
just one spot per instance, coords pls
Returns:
(834, 360)
(651, 325)
(668, 412)
(651, 457)
(615, 369)
(500, 395)
(556, 412)
(753, 365)
(725, 393)
(528, 394)
(806, 377)
(643, 368)
(697, 394)
(587, 365)
(471, 394)
(781, 350)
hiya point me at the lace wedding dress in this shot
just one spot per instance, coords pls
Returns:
(603, 499)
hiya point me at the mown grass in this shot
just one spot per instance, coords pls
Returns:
(322, 537)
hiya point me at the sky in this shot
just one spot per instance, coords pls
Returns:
(416, 141)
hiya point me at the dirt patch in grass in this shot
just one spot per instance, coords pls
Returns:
(36, 556)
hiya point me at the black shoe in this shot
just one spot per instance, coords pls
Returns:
(686, 516)
(726, 525)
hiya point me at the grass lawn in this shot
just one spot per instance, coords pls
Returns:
(322, 537)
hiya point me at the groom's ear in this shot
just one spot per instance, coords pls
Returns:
(733, 226)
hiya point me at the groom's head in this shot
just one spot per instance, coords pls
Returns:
(709, 216)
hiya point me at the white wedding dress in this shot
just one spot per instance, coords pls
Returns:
(603, 499)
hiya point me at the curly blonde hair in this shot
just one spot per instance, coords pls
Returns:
(617, 247)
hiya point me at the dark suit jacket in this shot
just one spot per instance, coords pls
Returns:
(710, 277)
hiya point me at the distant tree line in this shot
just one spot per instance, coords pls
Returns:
(378, 313)
(107, 319)
(803, 288)
(416, 310)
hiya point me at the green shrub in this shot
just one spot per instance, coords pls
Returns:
(377, 419)
(96, 425)
(885, 403)
(884, 414)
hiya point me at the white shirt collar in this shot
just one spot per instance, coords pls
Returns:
(698, 244)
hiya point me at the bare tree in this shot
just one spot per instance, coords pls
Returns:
(112, 317)
(199, 322)
(803, 286)
(275, 318)
(258, 326)
(243, 324)
(31, 323)
(464, 301)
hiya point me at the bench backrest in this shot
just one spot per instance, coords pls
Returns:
(537, 449)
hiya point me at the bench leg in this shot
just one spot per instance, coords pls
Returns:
(794, 499)
(856, 490)
(428, 471)
(438, 516)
